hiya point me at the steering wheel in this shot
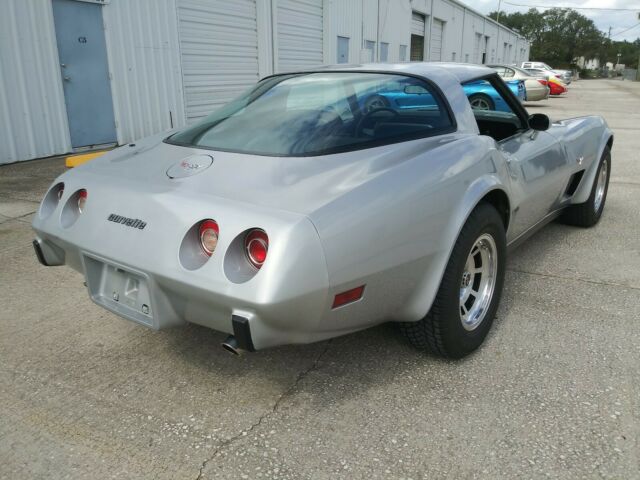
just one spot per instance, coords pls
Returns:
(365, 117)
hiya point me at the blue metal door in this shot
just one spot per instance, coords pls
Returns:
(85, 73)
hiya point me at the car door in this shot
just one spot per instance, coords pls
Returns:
(538, 169)
(536, 162)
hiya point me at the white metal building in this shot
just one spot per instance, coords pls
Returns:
(79, 73)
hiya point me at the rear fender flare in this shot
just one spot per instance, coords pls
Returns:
(425, 292)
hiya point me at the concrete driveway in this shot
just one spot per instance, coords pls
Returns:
(555, 392)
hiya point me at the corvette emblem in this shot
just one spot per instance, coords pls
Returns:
(127, 222)
(190, 166)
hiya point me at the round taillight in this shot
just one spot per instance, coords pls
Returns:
(256, 246)
(208, 233)
(82, 200)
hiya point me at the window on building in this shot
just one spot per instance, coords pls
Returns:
(343, 50)
(369, 49)
(417, 48)
(403, 53)
(384, 52)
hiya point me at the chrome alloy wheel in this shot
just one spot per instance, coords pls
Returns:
(478, 281)
(480, 103)
(601, 185)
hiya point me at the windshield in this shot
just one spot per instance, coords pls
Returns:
(319, 113)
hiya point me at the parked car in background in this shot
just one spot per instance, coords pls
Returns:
(565, 75)
(290, 215)
(556, 85)
(404, 95)
(536, 86)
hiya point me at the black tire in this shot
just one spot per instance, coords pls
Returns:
(482, 97)
(586, 214)
(441, 331)
(374, 102)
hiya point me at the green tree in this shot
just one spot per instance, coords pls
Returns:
(558, 36)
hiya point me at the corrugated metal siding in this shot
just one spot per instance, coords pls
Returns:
(34, 119)
(437, 30)
(144, 62)
(299, 34)
(219, 49)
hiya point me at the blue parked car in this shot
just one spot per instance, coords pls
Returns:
(481, 94)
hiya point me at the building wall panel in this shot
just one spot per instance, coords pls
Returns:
(299, 34)
(144, 64)
(32, 110)
(219, 52)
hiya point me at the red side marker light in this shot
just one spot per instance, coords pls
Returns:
(347, 297)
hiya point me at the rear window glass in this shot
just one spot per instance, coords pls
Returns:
(321, 113)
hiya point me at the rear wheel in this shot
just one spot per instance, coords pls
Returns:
(587, 214)
(469, 294)
(479, 101)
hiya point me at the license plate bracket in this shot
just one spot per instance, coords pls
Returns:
(119, 289)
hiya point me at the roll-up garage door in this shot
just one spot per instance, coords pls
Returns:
(476, 49)
(417, 24)
(436, 40)
(299, 34)
(219, 52)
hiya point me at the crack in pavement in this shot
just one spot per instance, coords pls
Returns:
(577, 279)
(288, 392)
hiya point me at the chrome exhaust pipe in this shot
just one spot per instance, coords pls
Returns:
(231, 345)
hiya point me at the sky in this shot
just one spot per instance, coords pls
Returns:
(618, 21)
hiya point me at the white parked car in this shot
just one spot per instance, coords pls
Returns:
(565, 75)
(536, 86)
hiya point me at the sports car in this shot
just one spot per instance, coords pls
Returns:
(481, 95)
(291, 215)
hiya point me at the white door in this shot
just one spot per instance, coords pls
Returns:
(299, 26)
(219, 52)
(437, 30)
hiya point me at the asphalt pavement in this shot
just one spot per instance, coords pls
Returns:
(554, 392)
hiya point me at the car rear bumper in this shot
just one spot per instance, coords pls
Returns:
(159, 301)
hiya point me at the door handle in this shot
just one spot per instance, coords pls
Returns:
(66, 79)
(63, 65)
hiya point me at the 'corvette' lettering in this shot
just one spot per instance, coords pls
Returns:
(127, 222)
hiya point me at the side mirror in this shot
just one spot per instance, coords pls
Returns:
(539, 121)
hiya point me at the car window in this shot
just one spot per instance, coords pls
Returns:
(492, 111)
(500, 70)
(322, 113)
(522, 71)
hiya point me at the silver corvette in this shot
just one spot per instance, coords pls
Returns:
(294, 214)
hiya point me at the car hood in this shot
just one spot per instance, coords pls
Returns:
(295, 184)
